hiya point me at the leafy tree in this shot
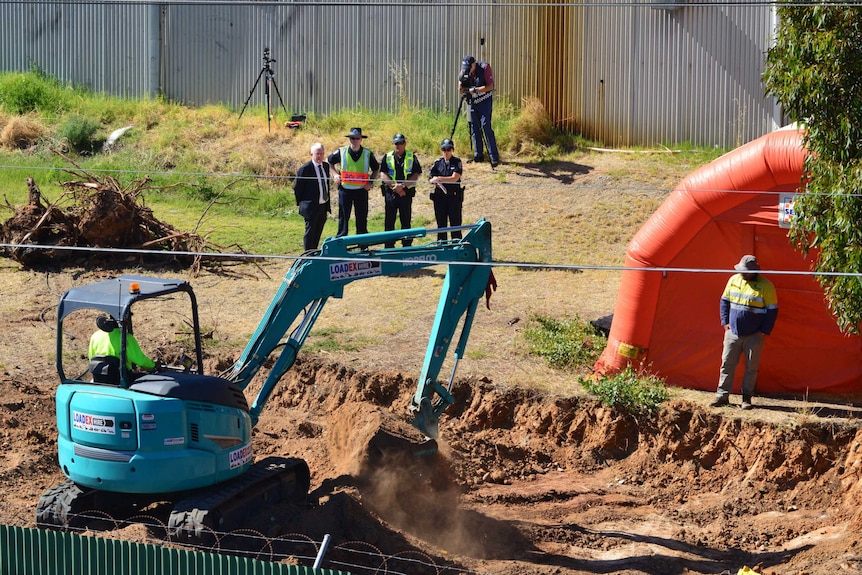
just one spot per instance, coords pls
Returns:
(814, 71)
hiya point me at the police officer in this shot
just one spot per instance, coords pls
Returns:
(448, 194)
(357, 168)
(398, 174)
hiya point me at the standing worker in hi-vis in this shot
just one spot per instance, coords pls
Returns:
(398, 175)
(357, 170)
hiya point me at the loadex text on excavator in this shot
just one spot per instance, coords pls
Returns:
(127, 439)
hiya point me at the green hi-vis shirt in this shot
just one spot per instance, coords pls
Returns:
(108, 344)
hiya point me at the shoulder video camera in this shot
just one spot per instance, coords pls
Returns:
(464, 75)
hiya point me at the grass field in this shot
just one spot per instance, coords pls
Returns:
(561, 213)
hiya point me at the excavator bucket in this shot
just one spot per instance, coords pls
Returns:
(426, 420)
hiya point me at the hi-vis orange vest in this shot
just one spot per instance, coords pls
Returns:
(354, 175)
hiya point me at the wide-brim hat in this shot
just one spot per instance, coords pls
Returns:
(106, 323)
(355, 133)
(747, 264)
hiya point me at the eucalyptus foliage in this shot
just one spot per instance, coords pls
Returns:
(814, 71)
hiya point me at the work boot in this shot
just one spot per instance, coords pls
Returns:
(495, 163)
(476, 159)
(720, 400)
(746, 402)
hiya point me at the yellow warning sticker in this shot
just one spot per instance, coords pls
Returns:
(628, 350)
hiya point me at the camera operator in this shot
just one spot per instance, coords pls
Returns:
(476, 80)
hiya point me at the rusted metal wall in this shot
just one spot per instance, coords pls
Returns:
(620, 72)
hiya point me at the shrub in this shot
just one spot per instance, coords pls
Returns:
(80, 134)
(32, 92)
(637, 392)
(564, 343)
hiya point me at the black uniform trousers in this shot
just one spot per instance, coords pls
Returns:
(400, 207)
(447, 211)
(348, 200)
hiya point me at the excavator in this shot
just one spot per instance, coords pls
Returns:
(127, 439)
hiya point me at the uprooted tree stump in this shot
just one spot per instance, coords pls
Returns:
(94, 212)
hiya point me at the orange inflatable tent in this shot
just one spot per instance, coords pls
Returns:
(669, 320)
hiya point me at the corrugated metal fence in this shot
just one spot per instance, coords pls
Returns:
(622, 72)
(25, 551)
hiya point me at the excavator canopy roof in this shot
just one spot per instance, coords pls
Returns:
(115, 296)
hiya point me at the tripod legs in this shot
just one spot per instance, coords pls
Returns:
(253, 88)
(457, 115)
(270, 79)
(469, 121)
(274, 85)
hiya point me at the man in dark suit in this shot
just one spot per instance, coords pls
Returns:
(311, 189)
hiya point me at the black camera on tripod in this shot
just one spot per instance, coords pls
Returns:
(266, 59)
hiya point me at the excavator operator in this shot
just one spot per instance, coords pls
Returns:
(104, 351)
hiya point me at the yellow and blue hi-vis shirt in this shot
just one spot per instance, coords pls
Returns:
(749, 306)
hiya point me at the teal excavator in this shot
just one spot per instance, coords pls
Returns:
(126, 439)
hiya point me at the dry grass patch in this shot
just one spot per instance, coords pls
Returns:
(20, 132)
(532, 128)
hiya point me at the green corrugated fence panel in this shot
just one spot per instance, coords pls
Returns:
(27, 551)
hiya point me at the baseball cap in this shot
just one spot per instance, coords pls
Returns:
(399, 139)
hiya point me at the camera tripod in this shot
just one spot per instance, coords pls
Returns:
(458, 114)
(267, 73)
(466, 97)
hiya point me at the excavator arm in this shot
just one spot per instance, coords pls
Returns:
(322, 274)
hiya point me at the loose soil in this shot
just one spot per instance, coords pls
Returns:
(532, 476)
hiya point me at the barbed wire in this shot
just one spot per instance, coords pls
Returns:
(356, 556)
(467, 180)
(534, 266)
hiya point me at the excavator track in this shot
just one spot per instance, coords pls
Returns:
(68, 505)
(269, 481)
(60, 503)
(221, 507)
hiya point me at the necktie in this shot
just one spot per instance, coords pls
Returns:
(322, 183)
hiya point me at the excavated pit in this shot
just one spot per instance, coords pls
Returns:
(524, 482)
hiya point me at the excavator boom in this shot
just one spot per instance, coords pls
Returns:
(322, 274)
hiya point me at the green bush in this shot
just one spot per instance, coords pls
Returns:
(564, 343)
(637, 392)
(31, 92)
(80, 134)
